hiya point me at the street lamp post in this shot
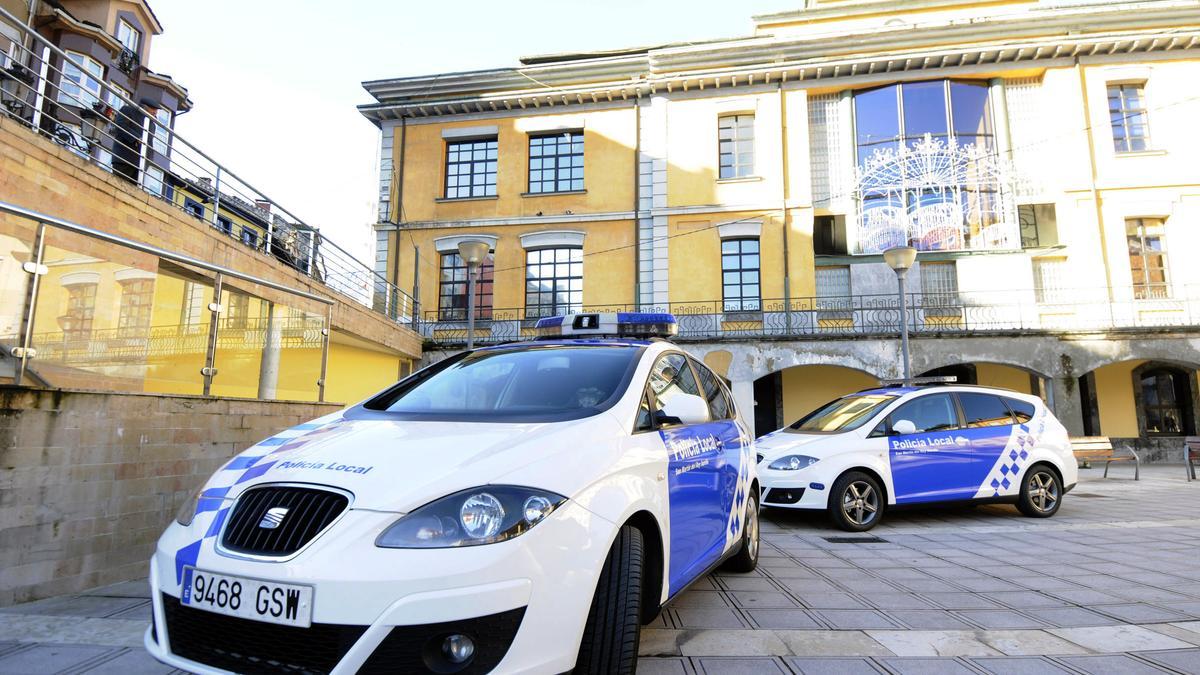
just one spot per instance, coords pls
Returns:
(473, 252)
(901, 259)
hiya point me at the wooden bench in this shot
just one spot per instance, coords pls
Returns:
(1191, 453)
(1100, 449)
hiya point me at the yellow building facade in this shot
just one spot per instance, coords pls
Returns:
(1039, 156)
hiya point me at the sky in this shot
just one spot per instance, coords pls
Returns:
(275, 82)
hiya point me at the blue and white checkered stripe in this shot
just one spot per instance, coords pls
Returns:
(212, 507)
(1005, 477)
(733, 526)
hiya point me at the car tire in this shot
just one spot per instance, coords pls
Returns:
(1041, 492)
(746, 559)
(845, 509)
(612, 632)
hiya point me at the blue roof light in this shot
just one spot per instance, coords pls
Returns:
(612, 324)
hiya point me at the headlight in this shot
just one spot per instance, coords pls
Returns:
(198, 503)
(792, 462)
(483, 515)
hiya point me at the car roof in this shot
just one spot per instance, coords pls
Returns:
(904, 391)
(567, 342)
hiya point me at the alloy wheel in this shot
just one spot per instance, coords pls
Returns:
(1043, 491)
(860, 502)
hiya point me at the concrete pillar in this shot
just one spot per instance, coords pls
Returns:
(743, 398)
(1066, 403)
(268, 373)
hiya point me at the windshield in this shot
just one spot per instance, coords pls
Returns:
(844, 414)
(543, 383)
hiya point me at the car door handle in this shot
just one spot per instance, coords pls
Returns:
(661, 476)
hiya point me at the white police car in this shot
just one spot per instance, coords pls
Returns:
(896, 446)
(517, 508)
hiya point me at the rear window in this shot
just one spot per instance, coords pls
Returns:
(1023, 411)
(984, 410)
(543, 383)
(844, 414)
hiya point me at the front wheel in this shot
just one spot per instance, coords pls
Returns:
(856, 502)
(1041, 492)
(746, 559)
(611, 635)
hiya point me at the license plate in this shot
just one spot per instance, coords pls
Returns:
(286, 604)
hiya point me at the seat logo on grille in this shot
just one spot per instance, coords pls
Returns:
(273, 518)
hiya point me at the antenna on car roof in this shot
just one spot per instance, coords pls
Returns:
(920, 381)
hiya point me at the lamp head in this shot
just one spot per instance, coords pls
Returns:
(900, 258)
(473, 251)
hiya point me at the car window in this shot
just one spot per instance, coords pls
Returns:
(718, 402)
(843, 414)
(534, 383)
(983, 410)
(644, 421)
(1023, 411)
(670, 377)
(934, 412)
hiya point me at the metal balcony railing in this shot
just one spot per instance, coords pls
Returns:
(107, 127)
(1028, 311)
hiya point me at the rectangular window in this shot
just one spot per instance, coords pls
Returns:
(735, 140)
(128, 35)
(81, 311)
(224, 224)
(833, 288)
(162, 130)
(471, 168)
(137, 302)
(740, 275)
(152, 180)
(237, 313)
(1050, 280)
(553, 282)
(1127, 111)
(453, 285)
(556, 162)
(1147, 239)
(193, 207)
(249, 237)
(939, 289)
(80, 83)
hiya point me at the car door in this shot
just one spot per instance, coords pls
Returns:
(735, 440)
(988, 424)
(935, 461)
(695, 466)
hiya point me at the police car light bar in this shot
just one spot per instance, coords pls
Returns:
(918, 381)
(608, 324)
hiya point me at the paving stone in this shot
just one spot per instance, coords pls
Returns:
(720, 666)
(732, 643)
(1026, 599)
(999, 618)
(927, 667)
(1140, 613)
(898, 601)
(1183, 660)
(1113, 639)
(694, 598)
(705, 617)
(1085, 596)
(961, 601)
(830, 601)
(1028, 643)
(748, 584)
(1068, 617)
(832, 643)
(831, 666)
(1115, 664)
(932, 643)
(79, 605)
(659, 642)
(802, 586)
(855, 619)
(125, 589)
(131, 662)
(50, 658)
(663, 666)
(930, 619)
(927, 586)
(783, 618)
(1019, 665)
(751, 599)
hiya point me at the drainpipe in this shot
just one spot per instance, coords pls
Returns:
(637, 200)
(783, 198)
(1087, 126)
(395, 216)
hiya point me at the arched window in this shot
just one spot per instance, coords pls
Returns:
(1166, 402)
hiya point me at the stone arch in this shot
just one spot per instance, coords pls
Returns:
(785, 395)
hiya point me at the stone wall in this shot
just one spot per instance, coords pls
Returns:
(38, 174)
(89, 480)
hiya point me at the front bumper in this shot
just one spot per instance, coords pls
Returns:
(363, 594)
(798, 489)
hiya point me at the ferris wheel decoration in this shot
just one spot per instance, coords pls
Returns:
(936, 194)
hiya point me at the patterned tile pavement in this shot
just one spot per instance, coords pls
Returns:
(1109, 585)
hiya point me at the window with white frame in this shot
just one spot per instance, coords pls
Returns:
(153, 180)
(80, 83)
(735, 139)
(1129, 116)
(1050, 280)
(162, 130)
(553, 281)
(740, 267)
(833, 288)
(1147, 239)
(939, 288)
(128, 35)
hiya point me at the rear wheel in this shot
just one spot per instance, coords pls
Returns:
(746, 559)
(1041, 492)
(611, 635)
(856, 502)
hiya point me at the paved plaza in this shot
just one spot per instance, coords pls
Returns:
(1109, 585)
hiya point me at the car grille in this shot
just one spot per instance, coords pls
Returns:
(783, 495)
(251, 647)
(417, 649)
(309, 511)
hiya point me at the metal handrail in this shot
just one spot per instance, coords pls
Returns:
(30, 214)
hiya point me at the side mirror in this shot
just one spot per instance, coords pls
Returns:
(686, 408)
(904, 427)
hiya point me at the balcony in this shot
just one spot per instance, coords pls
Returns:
(1012, 312)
